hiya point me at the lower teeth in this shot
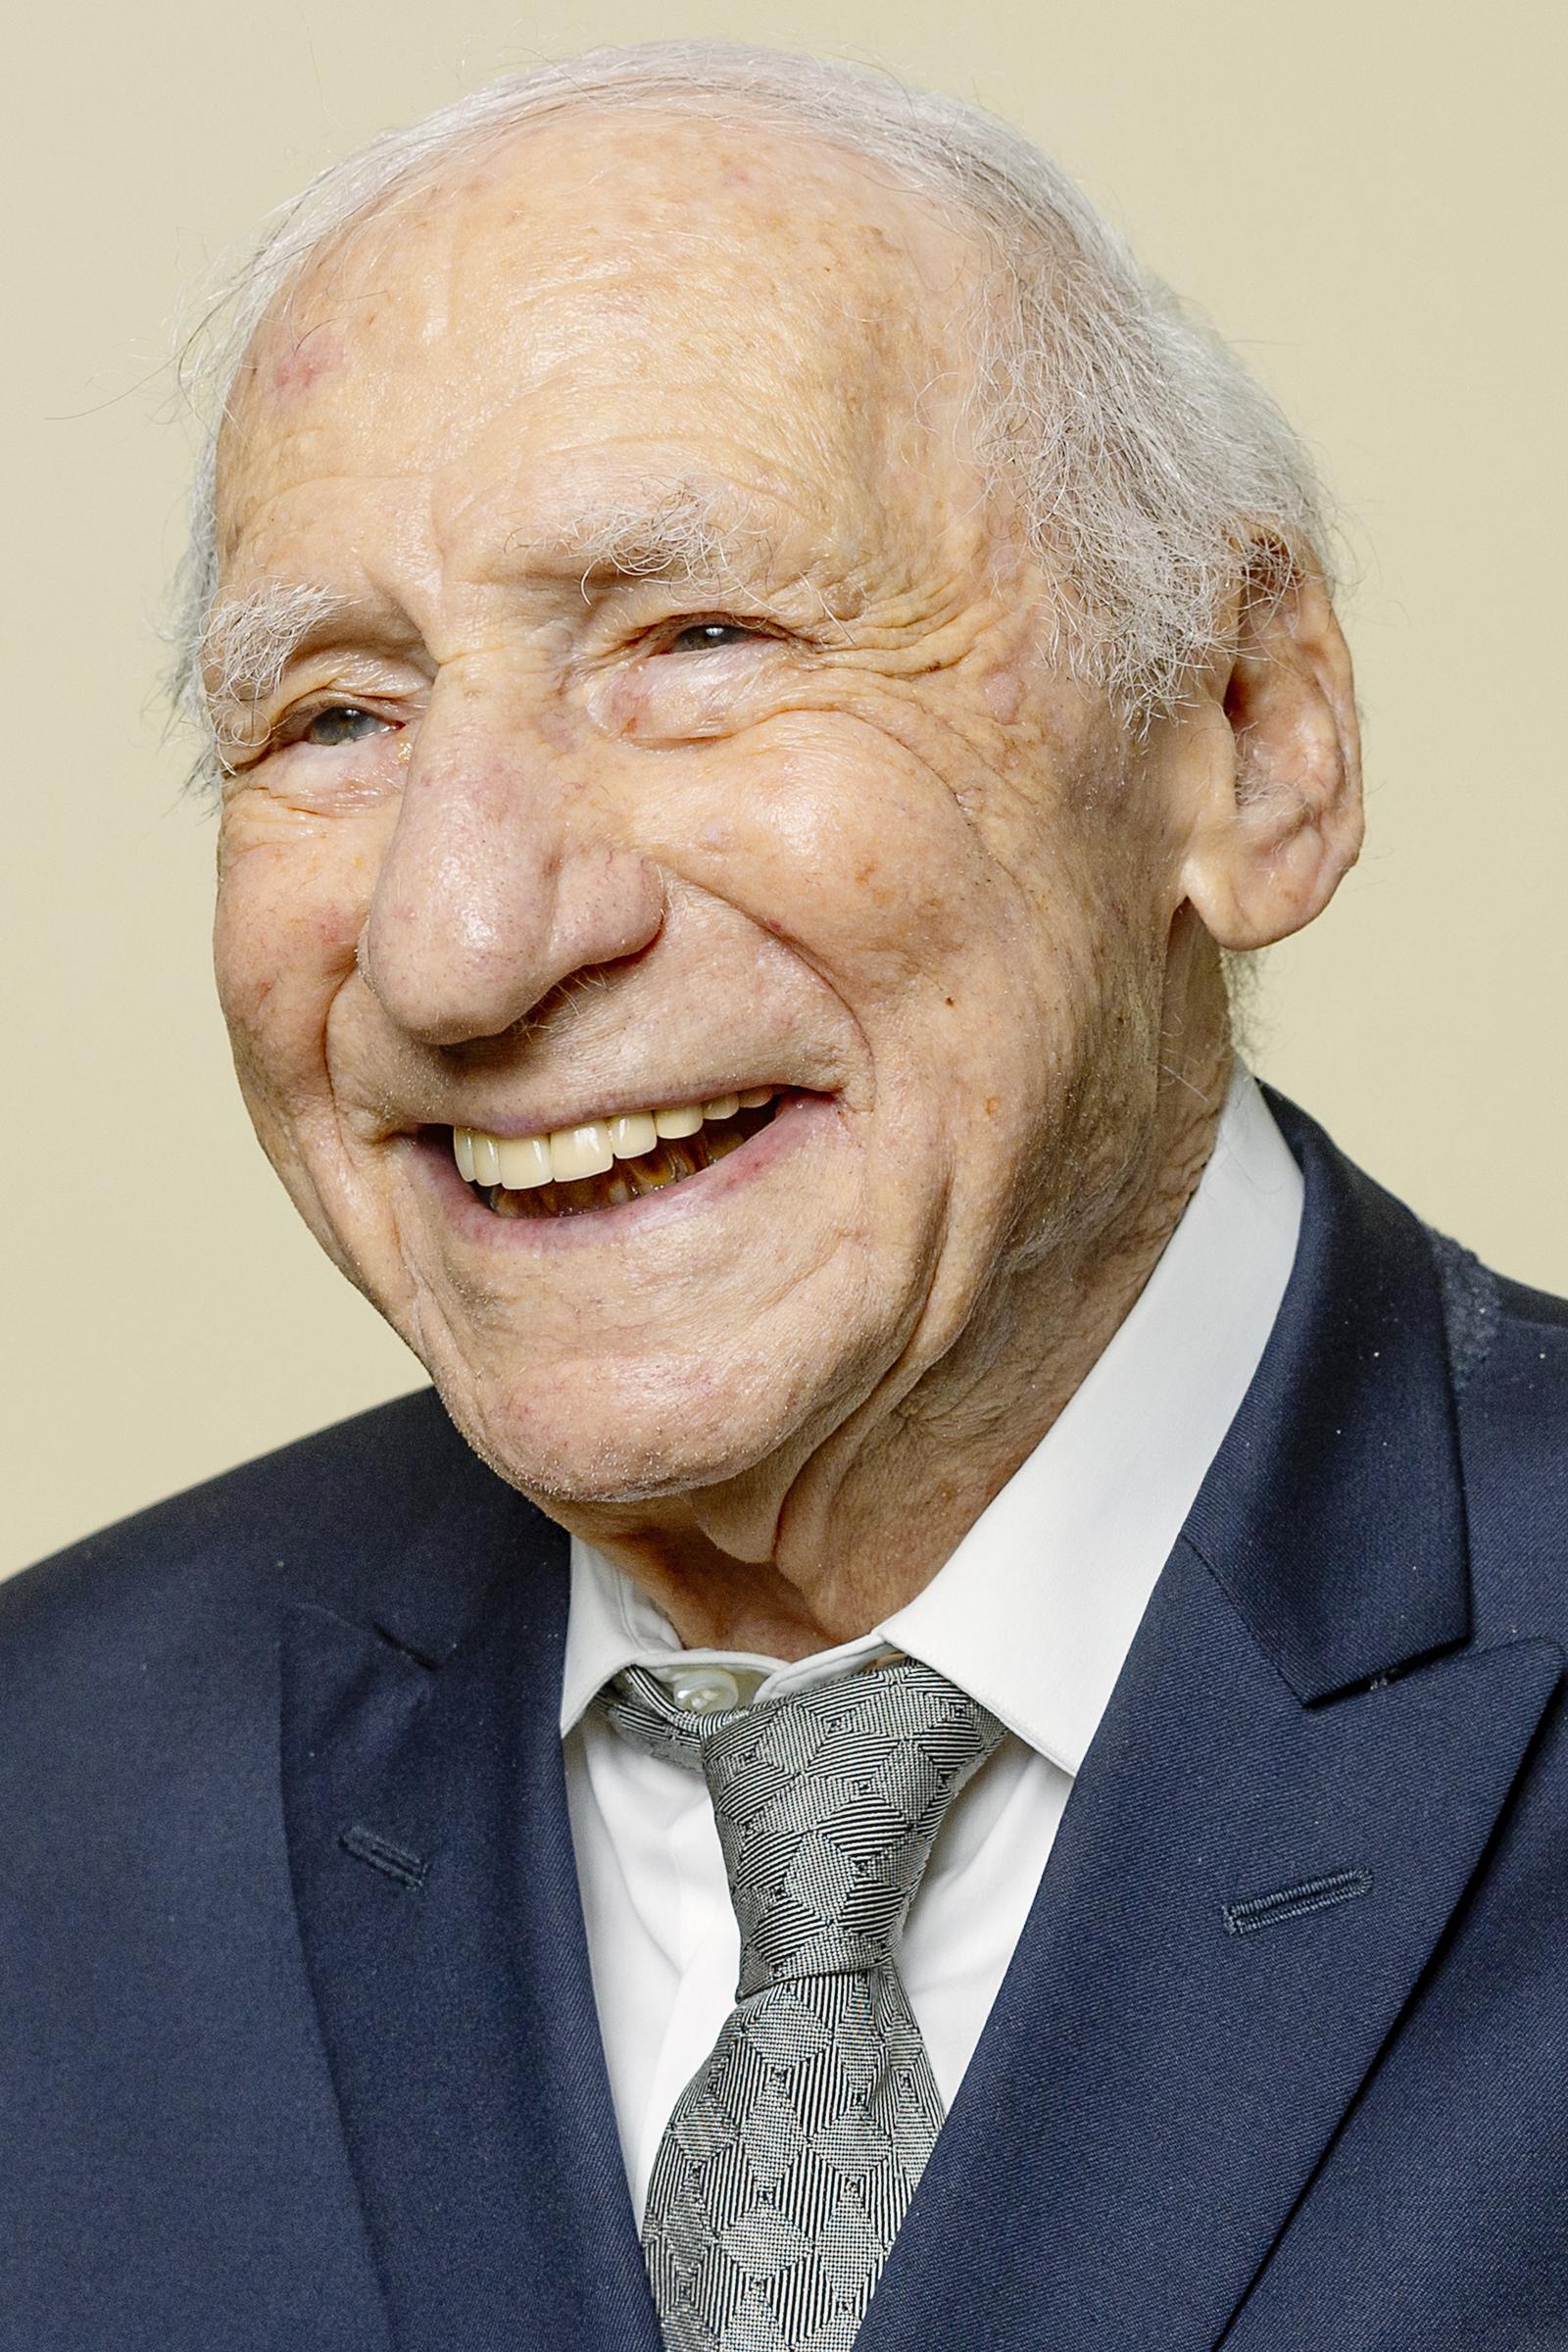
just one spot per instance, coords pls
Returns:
(629, 1179)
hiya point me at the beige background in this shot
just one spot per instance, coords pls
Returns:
(1367, 196)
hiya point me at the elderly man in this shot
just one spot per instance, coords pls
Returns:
(945, 1729)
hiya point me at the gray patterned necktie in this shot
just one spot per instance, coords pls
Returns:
(792, 2155)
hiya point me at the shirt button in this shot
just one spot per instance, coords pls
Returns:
(704, 1690)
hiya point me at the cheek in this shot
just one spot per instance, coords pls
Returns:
(290, 909)
(855, 855)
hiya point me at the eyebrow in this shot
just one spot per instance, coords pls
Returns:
(687, 534)
(250, 640)
(711, 541)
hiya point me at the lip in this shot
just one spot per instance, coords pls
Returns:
(798, 1120)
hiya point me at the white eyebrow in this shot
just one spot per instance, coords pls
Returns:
(682, 535)
(250, 640)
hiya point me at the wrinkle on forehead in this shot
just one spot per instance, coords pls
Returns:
(654, 281)
(626, 213)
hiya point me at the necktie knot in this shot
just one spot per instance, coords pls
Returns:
(827, 1803)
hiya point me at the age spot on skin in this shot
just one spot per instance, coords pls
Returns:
(875, 891)
(293, 369)
(1003, 690)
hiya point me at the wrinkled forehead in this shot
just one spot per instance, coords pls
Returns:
(763, 294)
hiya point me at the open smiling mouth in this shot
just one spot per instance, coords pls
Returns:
(606, 1162)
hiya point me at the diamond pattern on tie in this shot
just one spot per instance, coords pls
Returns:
(790, 2158)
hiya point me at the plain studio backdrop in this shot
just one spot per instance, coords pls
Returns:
(1368, 200)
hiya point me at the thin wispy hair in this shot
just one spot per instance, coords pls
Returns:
(1147, 469)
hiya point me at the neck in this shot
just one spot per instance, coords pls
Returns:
(862, 1526)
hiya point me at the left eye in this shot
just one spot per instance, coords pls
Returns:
(709, 636)
(341, 723)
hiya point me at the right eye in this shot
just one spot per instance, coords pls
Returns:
(338, 723)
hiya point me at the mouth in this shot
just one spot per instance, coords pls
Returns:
(605, 1163)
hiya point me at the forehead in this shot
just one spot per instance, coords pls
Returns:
(607, 286)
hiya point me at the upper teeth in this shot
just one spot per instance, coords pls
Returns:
(520, 1161)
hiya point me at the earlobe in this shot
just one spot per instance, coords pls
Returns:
(1282, 823)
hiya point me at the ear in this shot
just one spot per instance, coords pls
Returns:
(1278, 823)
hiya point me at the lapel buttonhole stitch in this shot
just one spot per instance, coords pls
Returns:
(1292, 1902)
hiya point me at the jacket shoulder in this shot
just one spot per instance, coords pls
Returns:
(1508, 1358)
(1524, 1305)
(1495, 1325)
(209, 1570)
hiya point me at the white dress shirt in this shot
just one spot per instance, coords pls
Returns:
(1033, 1615)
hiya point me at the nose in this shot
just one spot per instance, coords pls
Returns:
(502, 879)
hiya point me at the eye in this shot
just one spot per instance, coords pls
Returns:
(711, 636)
(340, 722)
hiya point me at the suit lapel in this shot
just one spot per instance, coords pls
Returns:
(1298, 1775)
(438, 1907)
(1157, 2082)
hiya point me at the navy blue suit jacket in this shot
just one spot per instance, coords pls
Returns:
(297, 2039)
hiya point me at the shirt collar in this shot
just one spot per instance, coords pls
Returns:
(1034, 1613)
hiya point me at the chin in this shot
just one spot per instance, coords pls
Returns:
(620, 1434)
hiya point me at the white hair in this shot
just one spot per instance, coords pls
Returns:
(1148, 469)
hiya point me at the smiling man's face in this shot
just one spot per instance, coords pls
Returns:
(673, 722)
